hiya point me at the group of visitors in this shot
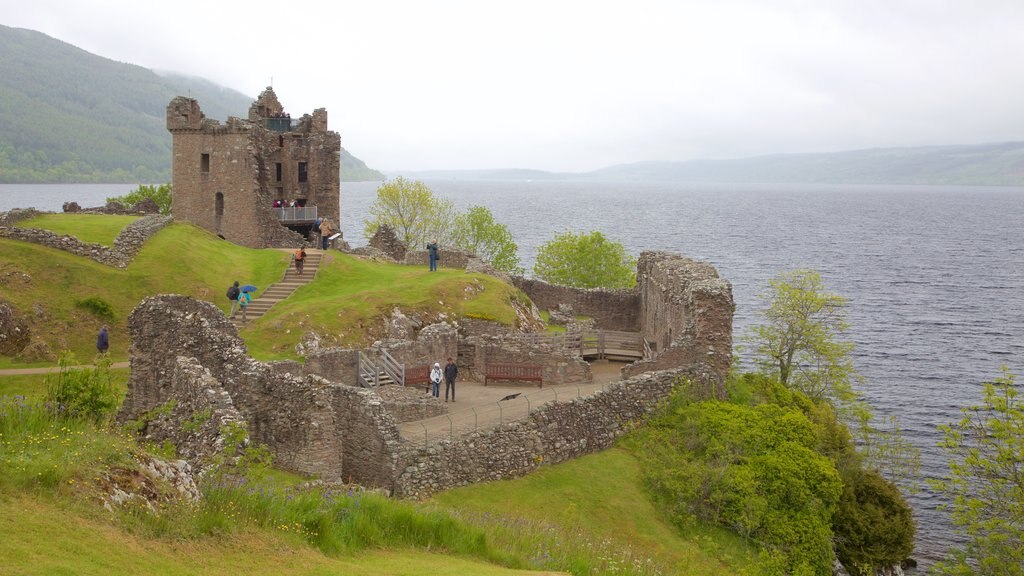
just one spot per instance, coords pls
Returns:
(451, 371)
(240, 299)
(279, 203)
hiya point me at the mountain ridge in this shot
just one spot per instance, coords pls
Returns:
(991, 164)
(72, 116)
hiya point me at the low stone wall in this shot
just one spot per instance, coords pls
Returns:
(560, 366)
(126, 245)
(410, 403)
(610, 309)
(434, 343)
(554, 433)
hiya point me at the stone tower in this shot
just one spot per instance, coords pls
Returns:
(227, 177)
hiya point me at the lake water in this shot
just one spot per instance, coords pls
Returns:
(934, 275)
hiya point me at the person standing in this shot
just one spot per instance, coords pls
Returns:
(451, 371)
(435, 379)
(243, 303)
(103, 341)
(233, 293)
(326, 229)
(432, 251)
(300, 259)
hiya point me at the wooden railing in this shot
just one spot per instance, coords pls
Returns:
(392, 368)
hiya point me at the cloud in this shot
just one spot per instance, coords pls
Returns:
(575, 85)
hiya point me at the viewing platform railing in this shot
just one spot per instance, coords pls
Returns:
(287, 214)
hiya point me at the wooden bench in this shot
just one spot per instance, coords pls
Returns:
(418, 375)
(520, 372)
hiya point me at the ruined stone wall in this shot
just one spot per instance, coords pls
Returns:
(560, 366)
(293, 416)
(610, 309)
(552, 434)
(686, 310)
(369, 437)
(220, 195)
(225, 177)
(126, 246)
(434, 343)
(193, 417)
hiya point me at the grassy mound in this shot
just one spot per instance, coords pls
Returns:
(66, 298)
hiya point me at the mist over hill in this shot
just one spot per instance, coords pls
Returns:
(999, 164)
(67, 115)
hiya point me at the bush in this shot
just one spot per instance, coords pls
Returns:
(86, 394)
(873, 524)
(753, 469)
(96, 306)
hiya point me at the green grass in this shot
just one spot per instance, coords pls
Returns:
(45, 284)
(33, 386)
(90, 228)
(351, 299)
(346, 305)
(600, 497)
(44, 536)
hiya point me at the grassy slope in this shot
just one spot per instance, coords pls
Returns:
(180, 259)
(602, 496)
(347, 304)
(43, 537)
(351, 300)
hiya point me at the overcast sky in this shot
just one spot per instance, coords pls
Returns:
(580, 85)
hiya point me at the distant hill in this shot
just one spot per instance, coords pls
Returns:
(983, 165)
(70, 116)
(972, 165)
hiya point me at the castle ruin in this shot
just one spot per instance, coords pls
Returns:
(228, 178)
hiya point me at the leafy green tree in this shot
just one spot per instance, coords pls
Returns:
(160, 194)
(798, 341)
(986, 483)
(412, 210)
(476, 231)
(585, 261)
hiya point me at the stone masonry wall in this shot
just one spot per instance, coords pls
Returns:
(610, 309)
(560, 367)
(126, 246)
(297, 418)
(686, 311)
(555, 433)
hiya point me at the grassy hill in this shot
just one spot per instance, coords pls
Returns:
(589, 516)
(70, 116)
(345, 306)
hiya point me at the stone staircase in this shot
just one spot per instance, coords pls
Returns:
(283, 289)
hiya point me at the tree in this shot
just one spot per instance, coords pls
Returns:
(585, 261)
(412, 211)
(476, 231)
(160, 194)
(986, 483)
(797, 343)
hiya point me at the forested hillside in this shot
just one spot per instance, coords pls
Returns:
(70, 116)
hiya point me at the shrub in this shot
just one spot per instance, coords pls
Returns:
(86, 394)
(753, 469)
(96, 306)
(873, 524)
